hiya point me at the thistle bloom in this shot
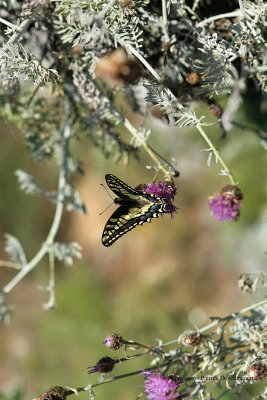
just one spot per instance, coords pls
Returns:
(226, 205)
(105, 364)
(164, 190)
(158, 387)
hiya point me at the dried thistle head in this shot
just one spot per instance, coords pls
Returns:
(54, 393)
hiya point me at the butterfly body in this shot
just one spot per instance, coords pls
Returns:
(135, 208)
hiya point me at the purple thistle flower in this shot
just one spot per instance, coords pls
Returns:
(225, 206)
(105, 364)
(158, 387)
(163, 190)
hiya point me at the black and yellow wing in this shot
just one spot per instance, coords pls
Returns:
(135, 208)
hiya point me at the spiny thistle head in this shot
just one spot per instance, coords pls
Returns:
(257, 371)
(54, 393)
(225, 206)
(193, 339)
(215, 110)
(114, 341)
(159, 387)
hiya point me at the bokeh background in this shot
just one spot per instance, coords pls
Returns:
(153, 283)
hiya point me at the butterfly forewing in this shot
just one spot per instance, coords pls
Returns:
(119, 187)
(136, 208)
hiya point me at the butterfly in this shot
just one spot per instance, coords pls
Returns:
(135, 208)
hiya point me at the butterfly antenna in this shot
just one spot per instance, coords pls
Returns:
(107, 191)
(109, 196)
(105, 209)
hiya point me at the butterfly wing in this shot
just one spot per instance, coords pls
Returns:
(120, 188)
(137, 208)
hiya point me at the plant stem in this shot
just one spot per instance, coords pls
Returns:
(232, 14)
(9, 264)
(144, 62)
(7, 23)
(19, 31)
(134, 132)
(103, 13)
(217, 154)
(198, 126)
(165, 20)
(50, 304)
(56, 221)
(230, 316)
(147, 148)
(149, 348)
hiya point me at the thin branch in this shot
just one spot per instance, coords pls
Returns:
(215, 323)
(134, 132)
(103, 13)
(147, 148)
(165, 20)
(144, 62)
(236, 13)
(198, 126)
(19, 31)
(56, 221)
(217, 154)
(9, 264)
(7, 23)
(50, 304)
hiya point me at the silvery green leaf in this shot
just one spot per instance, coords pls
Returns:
(15, 250)
(74, 200)
(211, 346)
(66, 251)
(27, 183)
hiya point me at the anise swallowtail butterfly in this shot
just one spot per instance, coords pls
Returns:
(135, 208)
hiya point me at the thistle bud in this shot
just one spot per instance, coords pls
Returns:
(105, 364)
(257, 371)
(215, 111)
(193, 339)
(114, 341)
(156, 111)
(192, 78)
(54, 393)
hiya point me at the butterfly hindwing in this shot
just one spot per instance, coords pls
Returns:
(136, 208)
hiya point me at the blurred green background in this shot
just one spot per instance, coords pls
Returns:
(155, 282)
